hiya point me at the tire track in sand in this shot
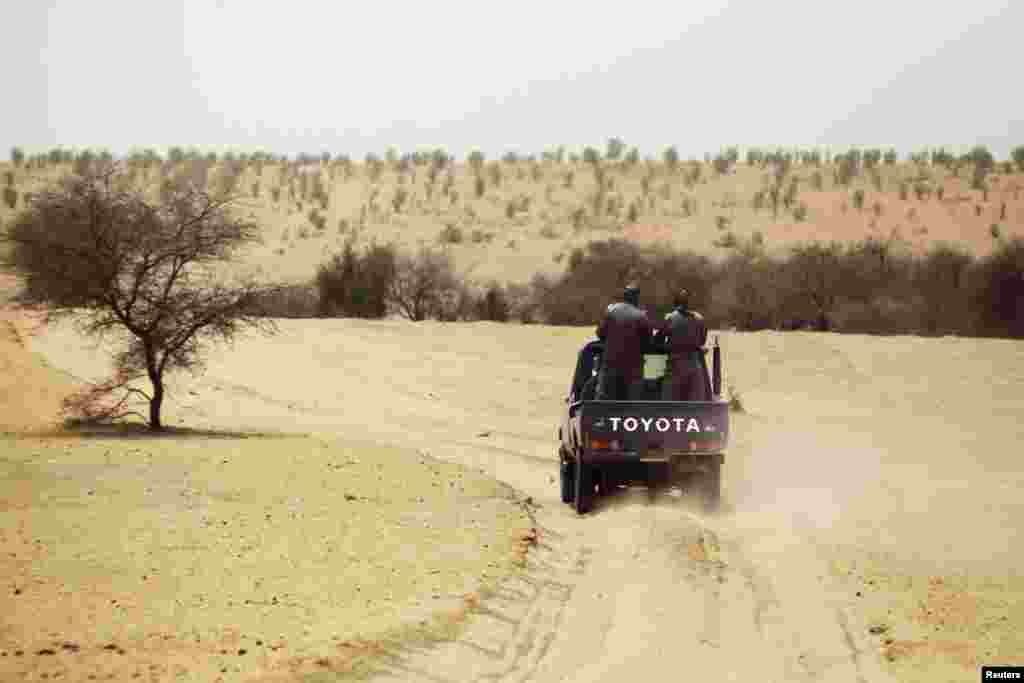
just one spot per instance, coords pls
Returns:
(651, 590)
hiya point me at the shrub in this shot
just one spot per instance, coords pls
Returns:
(476, 160)
(578, 218)
(459, 302)
(726, 241)
(817, 181)
(451, 234)
(979, 179)
(791, 193)
(548, 232)
(876, 179)
(849, 164)
(998, 296)
(759, 200)
(10, 197)
(813, 280)
(357, 285)
(671, 158)
(858, 199)
(596, 273)
(1017, 154)
(634, 213)
(398, 200)
(425, 285)
(981, 158)
(374, 167)
(480, 186)
(522, 302)
(494, 304)
(735, 400)
(290, 301)
(941, 280)
(614, 149)
(800, 212)
(318, 221)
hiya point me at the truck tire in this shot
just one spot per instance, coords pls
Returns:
(584, 494)
(711, 486)
(568, 479)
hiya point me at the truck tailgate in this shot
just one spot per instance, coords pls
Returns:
(647, 427)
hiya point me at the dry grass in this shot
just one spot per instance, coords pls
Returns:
(202, 551)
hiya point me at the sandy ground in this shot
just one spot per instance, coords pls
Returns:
(206, 556)
(872, 523)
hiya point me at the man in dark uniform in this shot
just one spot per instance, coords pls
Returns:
(626, 333)
(687, 334)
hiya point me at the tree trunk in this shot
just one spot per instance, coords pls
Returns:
(157, 400)
(154, 408)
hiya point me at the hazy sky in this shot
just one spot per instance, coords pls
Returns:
(356, 77)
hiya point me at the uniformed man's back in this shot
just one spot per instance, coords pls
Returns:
(626, 331)
(687, 333)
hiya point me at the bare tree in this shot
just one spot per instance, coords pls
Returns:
(117, 262)
(421, 282)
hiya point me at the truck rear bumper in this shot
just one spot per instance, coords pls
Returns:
(681, 460)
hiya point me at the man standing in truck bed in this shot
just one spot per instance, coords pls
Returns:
(626, 333)
(687, 334)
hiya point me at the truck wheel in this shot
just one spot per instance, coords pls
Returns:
(711, 486)
(584, 497)
(606, 483)
(568, 479)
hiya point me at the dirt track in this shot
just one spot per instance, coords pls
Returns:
(873, 484)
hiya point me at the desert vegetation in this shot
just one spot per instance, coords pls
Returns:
(849, 241)
(125, 264)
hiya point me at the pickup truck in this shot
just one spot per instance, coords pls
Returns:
(607, 444)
